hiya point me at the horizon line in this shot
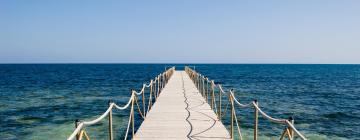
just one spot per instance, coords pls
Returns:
(196, 63)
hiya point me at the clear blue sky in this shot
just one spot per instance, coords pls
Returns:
(180, 31)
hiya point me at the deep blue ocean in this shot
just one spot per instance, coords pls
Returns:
(41, 101)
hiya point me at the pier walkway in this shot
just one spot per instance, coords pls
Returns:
(181, 113)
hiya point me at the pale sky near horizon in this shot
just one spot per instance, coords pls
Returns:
(180, 31)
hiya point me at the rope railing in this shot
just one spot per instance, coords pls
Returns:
(202, 84)
(155, 86)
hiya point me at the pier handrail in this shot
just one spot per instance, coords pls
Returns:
(201, 82)
(155, 86)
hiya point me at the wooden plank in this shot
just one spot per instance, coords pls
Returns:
(181, 113)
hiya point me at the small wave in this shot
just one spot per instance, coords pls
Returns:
(337, 115)
(30, 120)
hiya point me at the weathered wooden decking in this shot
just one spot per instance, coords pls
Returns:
(181, 112)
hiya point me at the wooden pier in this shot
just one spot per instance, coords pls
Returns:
(181, 112)
(174, 105)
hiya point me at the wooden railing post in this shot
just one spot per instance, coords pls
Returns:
(203, 86)
(162, 80)
(196, 80)
(143, 100)
(206, 88)
(291, 119)
(199, 82)
(256, 120)
(158, 86)
(151, 90)
(232, 116)
(132, 114)
(110, 123)
(165, 79)
(212, 95)
(220, 95)
(154, 89)
(77, 121)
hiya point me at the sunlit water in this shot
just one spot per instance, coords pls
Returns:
(42, 101)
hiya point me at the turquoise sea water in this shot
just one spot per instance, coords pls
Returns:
(42, 101)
